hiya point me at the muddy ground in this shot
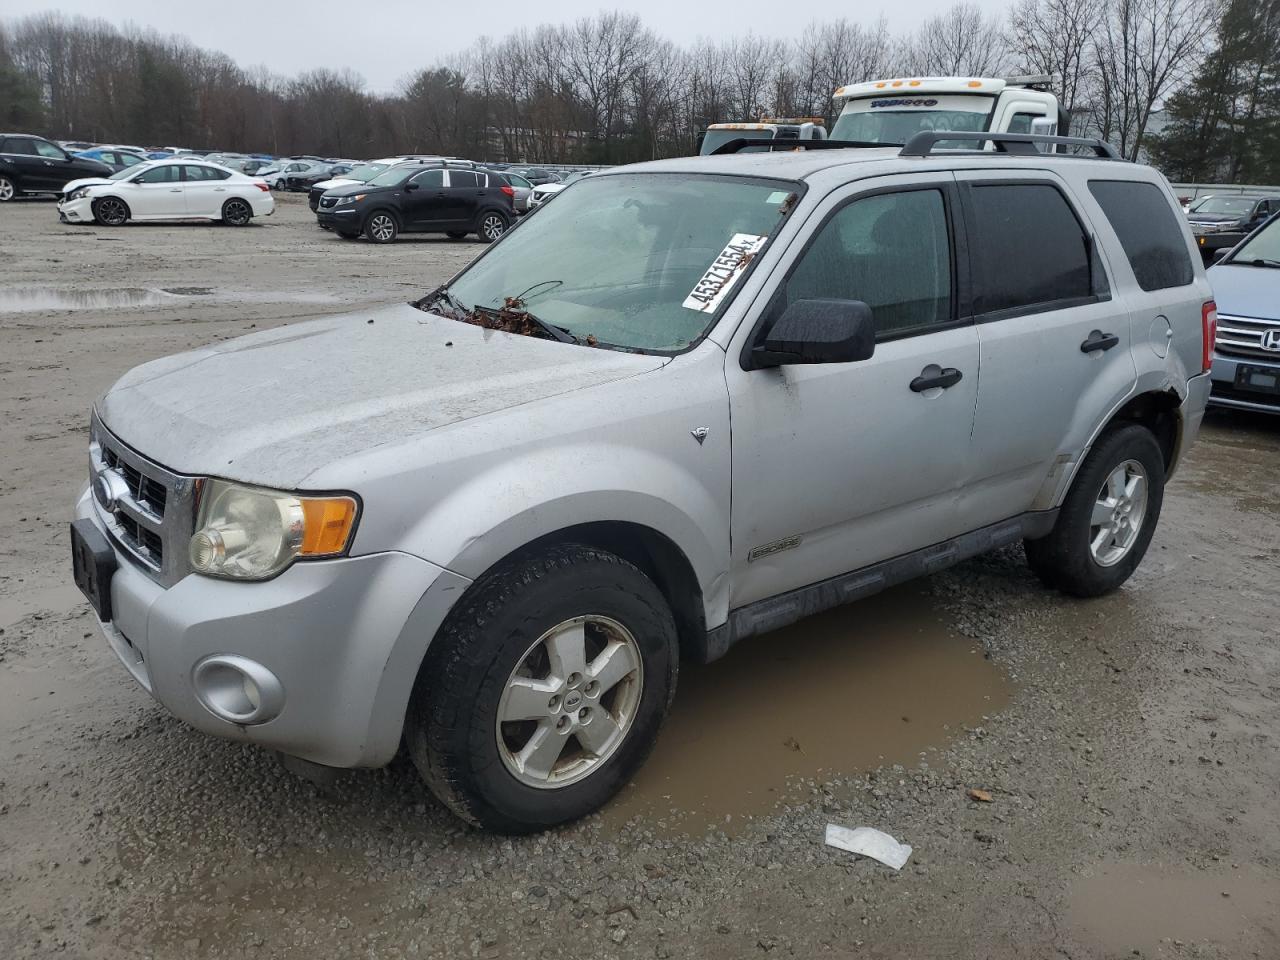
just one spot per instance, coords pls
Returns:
(1129, 744)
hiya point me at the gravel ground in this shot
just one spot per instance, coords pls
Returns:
(1128, 744)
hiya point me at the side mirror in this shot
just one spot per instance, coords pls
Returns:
(411, 186)
(1220, 254)
(818, 331)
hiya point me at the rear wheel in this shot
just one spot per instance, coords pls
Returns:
(381, 227)
(237, 212)
(1107, 518)
(110, 211)
(544, 691)
(491, 227)
(8, 189)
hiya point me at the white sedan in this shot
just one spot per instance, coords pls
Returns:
(175, 189)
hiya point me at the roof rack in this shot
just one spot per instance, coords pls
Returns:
(734, 146)
(1023, 144)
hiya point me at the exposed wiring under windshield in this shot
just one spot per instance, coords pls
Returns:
(511, 317)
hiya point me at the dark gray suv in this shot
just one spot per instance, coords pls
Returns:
(34, 165)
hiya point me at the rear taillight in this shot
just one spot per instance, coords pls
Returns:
(263, 187)
(1208, 333)
(509, 191)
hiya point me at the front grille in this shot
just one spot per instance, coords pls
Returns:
(328, 202)
(148, 511)
(1242, 336)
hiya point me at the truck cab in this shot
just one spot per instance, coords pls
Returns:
(892, 111)
(782, 128)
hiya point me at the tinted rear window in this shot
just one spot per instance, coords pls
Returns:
(1030, 248)
(1140, 215)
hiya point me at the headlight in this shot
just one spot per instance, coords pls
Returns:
(79, 193)
(250, 533)
(343, 201)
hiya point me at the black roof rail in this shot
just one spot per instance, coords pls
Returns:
(733, 146)
(1022, 144)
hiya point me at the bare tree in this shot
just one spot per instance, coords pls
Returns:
(961, 41)
(1055, 38)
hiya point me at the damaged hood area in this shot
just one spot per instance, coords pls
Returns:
(272, 408)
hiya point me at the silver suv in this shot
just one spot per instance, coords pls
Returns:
(691, 401)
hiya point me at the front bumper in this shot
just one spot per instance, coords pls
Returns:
(1227, 394)
(76, 211)
(345, 217)
(1208, 242)
(344, 637)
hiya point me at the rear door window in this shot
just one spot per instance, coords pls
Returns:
(462, 178)
(1149, 232)
(1029, 250)
(18, 145)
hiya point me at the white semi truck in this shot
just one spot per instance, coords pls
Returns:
(892, 111)
(782, 128)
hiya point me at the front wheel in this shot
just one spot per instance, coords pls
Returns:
(1107, 518)
(8, 189)
(237, 212)
(492, 226)
(110, 211)
(545, 689)
(381, 227)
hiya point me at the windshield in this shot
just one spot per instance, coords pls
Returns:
(718, 138)
(365, 172)
(639, 261)
(898, 126)
(1232, 206)
(1265, 245)
(132, 170)
(394, 176)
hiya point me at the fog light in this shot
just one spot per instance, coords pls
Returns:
(237, 689)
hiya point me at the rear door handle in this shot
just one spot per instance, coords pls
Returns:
(1099, 341)
(945, 377)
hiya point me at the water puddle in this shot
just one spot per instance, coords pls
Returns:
(38, 299)
(1130, 909)
(876, 682)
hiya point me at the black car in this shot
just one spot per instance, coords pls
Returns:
(35, 165)
(1220, 221)
(537, 175)
(420, 198)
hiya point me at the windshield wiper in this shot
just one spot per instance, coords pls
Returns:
(443, 293)
(512, 316)
(1258, 262)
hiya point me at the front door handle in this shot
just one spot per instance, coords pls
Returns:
(929, 379)
(176, 190)
(1098, 340)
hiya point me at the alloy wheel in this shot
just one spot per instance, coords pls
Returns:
(7, 190)
(236, 212)
(382, 228)
(492, 227)
(1118, 513)
(570, 702)
(112, 212)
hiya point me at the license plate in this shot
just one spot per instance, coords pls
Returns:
(92, 564)
(1260, 379)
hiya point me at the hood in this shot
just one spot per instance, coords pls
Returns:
(1194, 217)
(1246, 291)
(272, 408)
(353, 187)
(335, 182)
(87, 182)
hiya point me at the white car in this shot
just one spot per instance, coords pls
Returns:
(177, 189)
(545, 191)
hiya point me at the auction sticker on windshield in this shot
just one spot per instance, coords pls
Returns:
(724, 272)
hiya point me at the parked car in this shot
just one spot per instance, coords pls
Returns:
(442, 198)
(544, 192)
(174, 189)
(35, 165)
(520, 186)
(300, 174)
(75, 146)
(491, 524)
(1246, 285)
(116, 159)
(1220, 221)
(362, 173)
(537, 175)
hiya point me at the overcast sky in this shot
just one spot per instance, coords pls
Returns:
(384, 40)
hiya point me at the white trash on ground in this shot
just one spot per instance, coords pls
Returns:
(869, 842)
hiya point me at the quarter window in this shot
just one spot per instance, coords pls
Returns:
(1029, 250)
(1149, 232)
(891, 251)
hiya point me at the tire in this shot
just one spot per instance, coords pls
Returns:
(1093, 547)
(347, 235)
(237, 212)
(110, 211)
(456, 234)
(471, 761)
(491, 226)
(8, 189)
(381, 227)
